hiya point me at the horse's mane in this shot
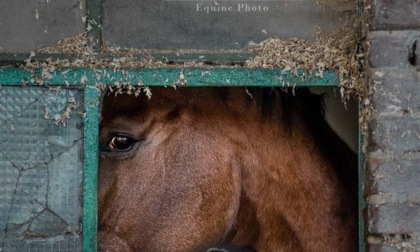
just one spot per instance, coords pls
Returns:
(311, 105)
(312, 108)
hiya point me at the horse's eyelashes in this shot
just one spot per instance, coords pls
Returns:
(119, 143)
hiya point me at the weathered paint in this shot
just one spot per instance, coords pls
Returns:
(170, 76)
(90, 185)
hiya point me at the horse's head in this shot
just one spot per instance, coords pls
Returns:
(194, 166)
(168, 178)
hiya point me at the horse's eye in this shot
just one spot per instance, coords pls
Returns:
(119, 143)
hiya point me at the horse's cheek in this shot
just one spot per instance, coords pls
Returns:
(126, 208)
(105, 180)
(109, 242)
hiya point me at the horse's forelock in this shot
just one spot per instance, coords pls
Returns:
(283, 103)
(273, 102)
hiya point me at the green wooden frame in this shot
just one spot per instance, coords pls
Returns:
(205, 76)
(152, 77)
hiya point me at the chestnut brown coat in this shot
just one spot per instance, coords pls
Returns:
(192, 167)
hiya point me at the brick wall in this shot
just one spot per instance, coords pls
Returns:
(392, 186)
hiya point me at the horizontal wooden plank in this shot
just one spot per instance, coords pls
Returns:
(166, 77)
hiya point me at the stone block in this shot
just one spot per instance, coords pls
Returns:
(392, 242)
(393, 48)
(394, 14)
(395, 135)
(381, 248)
(394, 218)
(397, 177)
(396, 91)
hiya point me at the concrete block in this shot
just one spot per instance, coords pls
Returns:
(393, 49)
(397, 177)
(394, 218)
(396, 134)
(396, 91)
(381, 248)
(394, 14)
(392, 242)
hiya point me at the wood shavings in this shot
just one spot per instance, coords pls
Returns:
(380, 74)
(46, 114)
(79, 45)
(128, 88)
(62, 118)
(178, 52)
(336, 50)
(46, 73)
(181, 80)
(148, 92)
(333, 50)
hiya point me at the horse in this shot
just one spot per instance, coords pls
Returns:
(193, 167)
